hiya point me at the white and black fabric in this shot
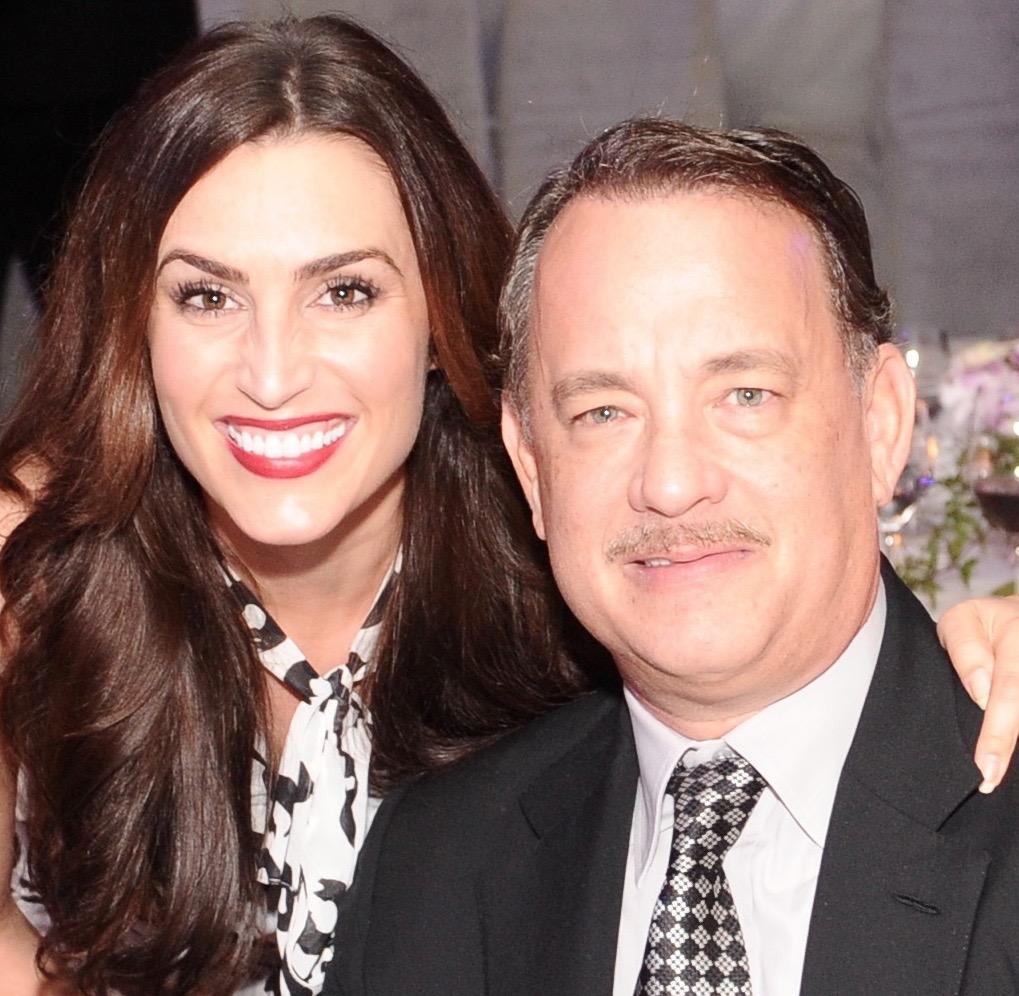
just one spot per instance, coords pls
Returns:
(695, 945)
(316, 813)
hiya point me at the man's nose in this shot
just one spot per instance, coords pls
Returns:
(275, 363)
(677, 470)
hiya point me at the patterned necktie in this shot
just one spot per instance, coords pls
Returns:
(695, 945)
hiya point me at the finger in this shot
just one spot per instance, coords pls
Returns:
(997, 739)
(972, 656)
(970, 632)
(974, 619)
(1000, 729)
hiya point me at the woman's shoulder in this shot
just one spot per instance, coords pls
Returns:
(13, 509)
(16, 502)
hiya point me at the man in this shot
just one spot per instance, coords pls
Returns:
(705, 411)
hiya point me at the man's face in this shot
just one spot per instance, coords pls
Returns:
(699, 460)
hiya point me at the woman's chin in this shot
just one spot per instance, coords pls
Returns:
(317, 522)
(288, 528)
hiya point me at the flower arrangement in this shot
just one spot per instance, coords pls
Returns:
(980, 392)
(974, 435)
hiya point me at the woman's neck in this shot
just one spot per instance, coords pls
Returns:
(320, 593)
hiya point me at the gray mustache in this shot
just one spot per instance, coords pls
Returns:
(646, 540)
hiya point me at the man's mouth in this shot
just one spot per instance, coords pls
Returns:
(674, 558)
(666, 545)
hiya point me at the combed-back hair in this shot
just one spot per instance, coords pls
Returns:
(655, 157)
(131, 696)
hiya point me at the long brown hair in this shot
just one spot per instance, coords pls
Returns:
(131, 697)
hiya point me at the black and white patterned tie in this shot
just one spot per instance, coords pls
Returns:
(695, 945)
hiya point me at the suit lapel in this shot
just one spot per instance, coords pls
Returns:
(551, 910)
(895, 898)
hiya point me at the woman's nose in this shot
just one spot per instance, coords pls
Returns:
(276, 365)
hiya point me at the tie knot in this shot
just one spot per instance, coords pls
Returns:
(713, 801)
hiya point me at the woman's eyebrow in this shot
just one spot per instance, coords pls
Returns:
(219, 270)
(319, 267)
(315, 268)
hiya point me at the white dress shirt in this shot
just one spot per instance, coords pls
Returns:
(798, 745)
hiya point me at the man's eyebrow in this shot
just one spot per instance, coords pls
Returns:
(587, 380)
(752, 359)
(216, 269)
(317, 267)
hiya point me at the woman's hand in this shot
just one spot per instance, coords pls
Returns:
(982, 638)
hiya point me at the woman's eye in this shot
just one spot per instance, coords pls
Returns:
(212, 300)
(202, 298)
(750, 397)
(349, 294)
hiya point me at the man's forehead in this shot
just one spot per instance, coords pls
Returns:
(707, 252)
(580, 225)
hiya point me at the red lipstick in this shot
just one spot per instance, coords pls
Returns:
(282, 452)
(283, 467)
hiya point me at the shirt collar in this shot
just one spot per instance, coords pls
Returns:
(798, 744)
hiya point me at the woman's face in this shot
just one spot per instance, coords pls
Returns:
(289, 338)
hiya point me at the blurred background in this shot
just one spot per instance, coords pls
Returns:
(915, 102)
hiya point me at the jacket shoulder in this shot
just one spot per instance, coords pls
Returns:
(414, 899)
(503, 769)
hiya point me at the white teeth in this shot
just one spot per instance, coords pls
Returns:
(337, 432)
(657, 562)
(289, 445)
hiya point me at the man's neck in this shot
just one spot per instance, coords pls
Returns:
(700, 709)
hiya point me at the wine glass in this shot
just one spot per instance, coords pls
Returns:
(997, 492)
(998, 496)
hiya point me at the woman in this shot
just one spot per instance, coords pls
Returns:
(252, 487)
(266, 366)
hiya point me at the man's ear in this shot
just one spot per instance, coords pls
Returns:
(522, 455)
(891, 409)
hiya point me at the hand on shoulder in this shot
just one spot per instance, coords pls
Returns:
(981, 636)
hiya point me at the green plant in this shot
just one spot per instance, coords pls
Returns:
(954, 541)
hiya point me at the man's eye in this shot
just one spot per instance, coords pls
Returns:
(750, 397)
(601, 415)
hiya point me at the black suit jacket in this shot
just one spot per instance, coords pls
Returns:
(502, 876)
